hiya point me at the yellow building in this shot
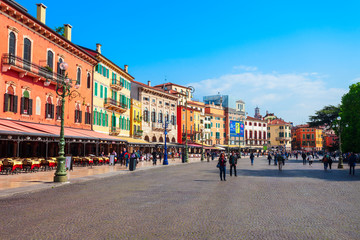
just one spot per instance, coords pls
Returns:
(279, 134)
(111, 98)
(135, 119)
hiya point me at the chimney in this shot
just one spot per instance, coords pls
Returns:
(67, 31)
(41, 12)
(149, 83)
(126, 68)
(98, 48)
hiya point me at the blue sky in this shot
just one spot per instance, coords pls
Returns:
(287, 57)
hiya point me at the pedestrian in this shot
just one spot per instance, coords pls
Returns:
(208, 156)
(310, 158)
(154, 157)
(160, 156)
(252, 158)
(222, 166)
(126, 157)
(233, 163)
(325, 160)
(212, 156)
(269, 158)
(352, 162)
(303, 155)
(276, 158)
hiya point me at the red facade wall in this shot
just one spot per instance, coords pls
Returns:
(31, 81)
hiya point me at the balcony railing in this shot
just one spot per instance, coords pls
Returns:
(114, 131)
(116, 84)
(27, 68)
(138, 134)
(283, 138)
(117, 106)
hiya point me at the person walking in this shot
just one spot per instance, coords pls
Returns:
(252, 158)
(303, 155)
(126, 157)
(160, 156)
(325, 160)
(154, 157)
(222, 166)
(352, 162)
(269, 158)
(212, 156)
(233, 163)
(330, 161)
(208, 156)
(310, 158)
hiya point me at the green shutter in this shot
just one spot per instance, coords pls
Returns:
(96, 88)
(105, 92)
(101, 91)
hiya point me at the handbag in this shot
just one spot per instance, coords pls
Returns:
(218, 165)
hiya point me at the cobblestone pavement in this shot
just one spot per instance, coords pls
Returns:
(189, 202)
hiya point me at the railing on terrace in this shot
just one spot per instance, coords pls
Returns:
(26, 66)
(116, 84)
(112, 103)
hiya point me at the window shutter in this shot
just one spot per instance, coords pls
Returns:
(22, 105)
(52, 111)
(80, 116)
(15, 103)
(96, 88)
(105, 92)
(75, 116)
(46, 110)
(30, 106)
(6, 99)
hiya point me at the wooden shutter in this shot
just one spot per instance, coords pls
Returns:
(52, 111)
(80, 116)
(46, 110)
(22, 105)
(30, 106)
(6, 99)
(15, 103)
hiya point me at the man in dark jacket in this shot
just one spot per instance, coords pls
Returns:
(352, 161)
(233, 162)
(154, 157)
(303, 155)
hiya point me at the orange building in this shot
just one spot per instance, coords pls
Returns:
(217, 125)
(308, 139)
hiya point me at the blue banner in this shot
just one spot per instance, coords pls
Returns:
(235, 128)
(242, 129)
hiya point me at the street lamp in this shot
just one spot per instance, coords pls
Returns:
(202, 143)
(165, 126)
(63, 86)
(191, 90)
(340, 165)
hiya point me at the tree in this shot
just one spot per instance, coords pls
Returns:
(60, 30)
(350, 119)
(325, 116)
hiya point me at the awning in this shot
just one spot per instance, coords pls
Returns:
(134, 141)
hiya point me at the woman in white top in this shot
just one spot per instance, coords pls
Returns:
(310, 159)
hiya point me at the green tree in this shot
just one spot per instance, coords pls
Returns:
(350, 119)
(60, 30)
(324, 117)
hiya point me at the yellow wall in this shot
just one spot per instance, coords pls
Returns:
(135, 116)
(275, 139)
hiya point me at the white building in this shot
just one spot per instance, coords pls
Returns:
(255, 133)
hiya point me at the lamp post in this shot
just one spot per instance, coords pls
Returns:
(165, 126)
(340, 165)
(202, 144)
(63, 86)
(191, 90)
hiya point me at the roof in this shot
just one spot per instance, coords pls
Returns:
(23, 11)
(254, 119)
(196, 103)
(170, 84)
(154, 88)
(95, 54)
(278, 121)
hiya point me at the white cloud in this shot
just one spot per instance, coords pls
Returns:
(356, 80)
(246, 68)
(291, 96)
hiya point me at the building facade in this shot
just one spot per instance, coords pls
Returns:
(217, 124)
(111, 99)
(232, 114)
(255, 133)
(308, 139)
(158, 106)
(135, 119)
(279, 134)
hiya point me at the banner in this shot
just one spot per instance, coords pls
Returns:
(242, 129)
(234, 128)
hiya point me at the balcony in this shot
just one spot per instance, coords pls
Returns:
(114, 105)
(157, 126)
(26, 68)
(116, 85)
(114, 131)
(138, 134)
(283, 138)
(137, 119)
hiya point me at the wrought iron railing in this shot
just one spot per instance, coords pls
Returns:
(115, 103)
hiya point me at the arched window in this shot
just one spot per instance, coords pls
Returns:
(255, 134)
(77, 113)
(58, 109)
(160, 117)
(167, 116)
(87, 115)
(59, 71)
(173, 119)
(27, 53)
(153, 115)
(49, 108)
(78, 76)
(88, 80)
(50, 59)
(10, 99)
(146, 115)
(264, 135)
(26, 104)
(12, 47)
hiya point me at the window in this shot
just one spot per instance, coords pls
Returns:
(167, 117)
(58, 109)
(78, 76)
(10, 100)
(255, 124)
(87, 115)
(12, 47)
(160, 117)
(146, 115)
(172, 105)
(145, 99)
(50, 59)
(59, 71)
(88, 80)
(173, 119)
(153, 115)
(77, 114)
(27, 53)
(49, 108)
(26, 104)
(167, 104)
(160, 102)
(191, 118)
(101, 91)
(96, 89)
